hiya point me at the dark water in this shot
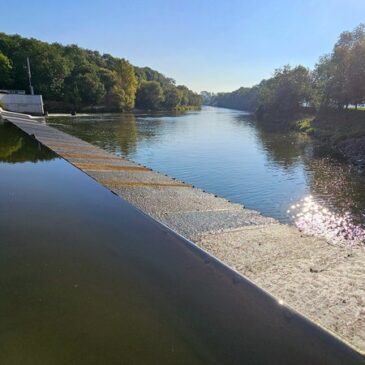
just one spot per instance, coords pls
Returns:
(73, 288)
(283, 175)
(85, 278)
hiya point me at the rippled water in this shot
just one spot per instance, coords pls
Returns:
(223, 151)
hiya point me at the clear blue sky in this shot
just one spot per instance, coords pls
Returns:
(205, 44)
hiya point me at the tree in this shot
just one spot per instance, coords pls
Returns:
(322, 75)
(73, 75)
(287, 91)
(49, 70)
(109, 78)
(356, 73)
(5, 71)
(339, 83)
(115, 99)
(150, 95)
(184, 94)
(340, 76)
(172, 98)
(85, 89)
(126, 81)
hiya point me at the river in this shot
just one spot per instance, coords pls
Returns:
(284, 175)
(88, 279)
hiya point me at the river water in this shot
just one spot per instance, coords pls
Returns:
(82, 283)
(287, 176)
(86, 278)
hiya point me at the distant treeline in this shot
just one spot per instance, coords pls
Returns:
(70, 77)
(337, 81)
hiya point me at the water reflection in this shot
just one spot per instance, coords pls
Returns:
(127, 135)
(335, 208)
(225, 152)
(15, 147)
(337, 185)
(117, 133)
(312, 218)
(81, 282)
(285, 153)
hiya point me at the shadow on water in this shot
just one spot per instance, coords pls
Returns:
(285, 151)
(16, 147)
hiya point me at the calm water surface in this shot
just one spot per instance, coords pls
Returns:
(80, 284)
(87, 279)
(283, 175)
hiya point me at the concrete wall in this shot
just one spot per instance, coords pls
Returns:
(32, 104)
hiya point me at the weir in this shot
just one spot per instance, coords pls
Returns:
(207, 226)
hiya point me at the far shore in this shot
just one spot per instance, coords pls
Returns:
(341, 130)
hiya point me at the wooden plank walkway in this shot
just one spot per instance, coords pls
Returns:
(323, 282)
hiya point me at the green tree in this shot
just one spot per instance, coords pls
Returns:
(321, 80)
(49, 70)
(172, 98)
(287, 91)
(115, 99)
(356, 74)
(340, 76)
(127, 82)
(184, 94)
(338, 86)
(85, 89)
(109, 78)
(73, 75)
(5, 71)
(150, 95)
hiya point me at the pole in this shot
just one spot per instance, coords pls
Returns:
(30, 77)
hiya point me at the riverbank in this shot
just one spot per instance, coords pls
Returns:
(61, 107)
(344, 130)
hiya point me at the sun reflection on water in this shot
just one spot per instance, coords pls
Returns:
(314, 219)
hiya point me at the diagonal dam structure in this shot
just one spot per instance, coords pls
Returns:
(286, 282)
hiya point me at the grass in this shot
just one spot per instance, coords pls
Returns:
(335, 126)
(305, 125)
(330, 126)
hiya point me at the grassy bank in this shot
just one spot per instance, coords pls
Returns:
(300, 121)
(343, 130)
(331, 126)
(338, 126)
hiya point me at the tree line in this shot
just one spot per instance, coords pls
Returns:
(70, 77)
(337, 81)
